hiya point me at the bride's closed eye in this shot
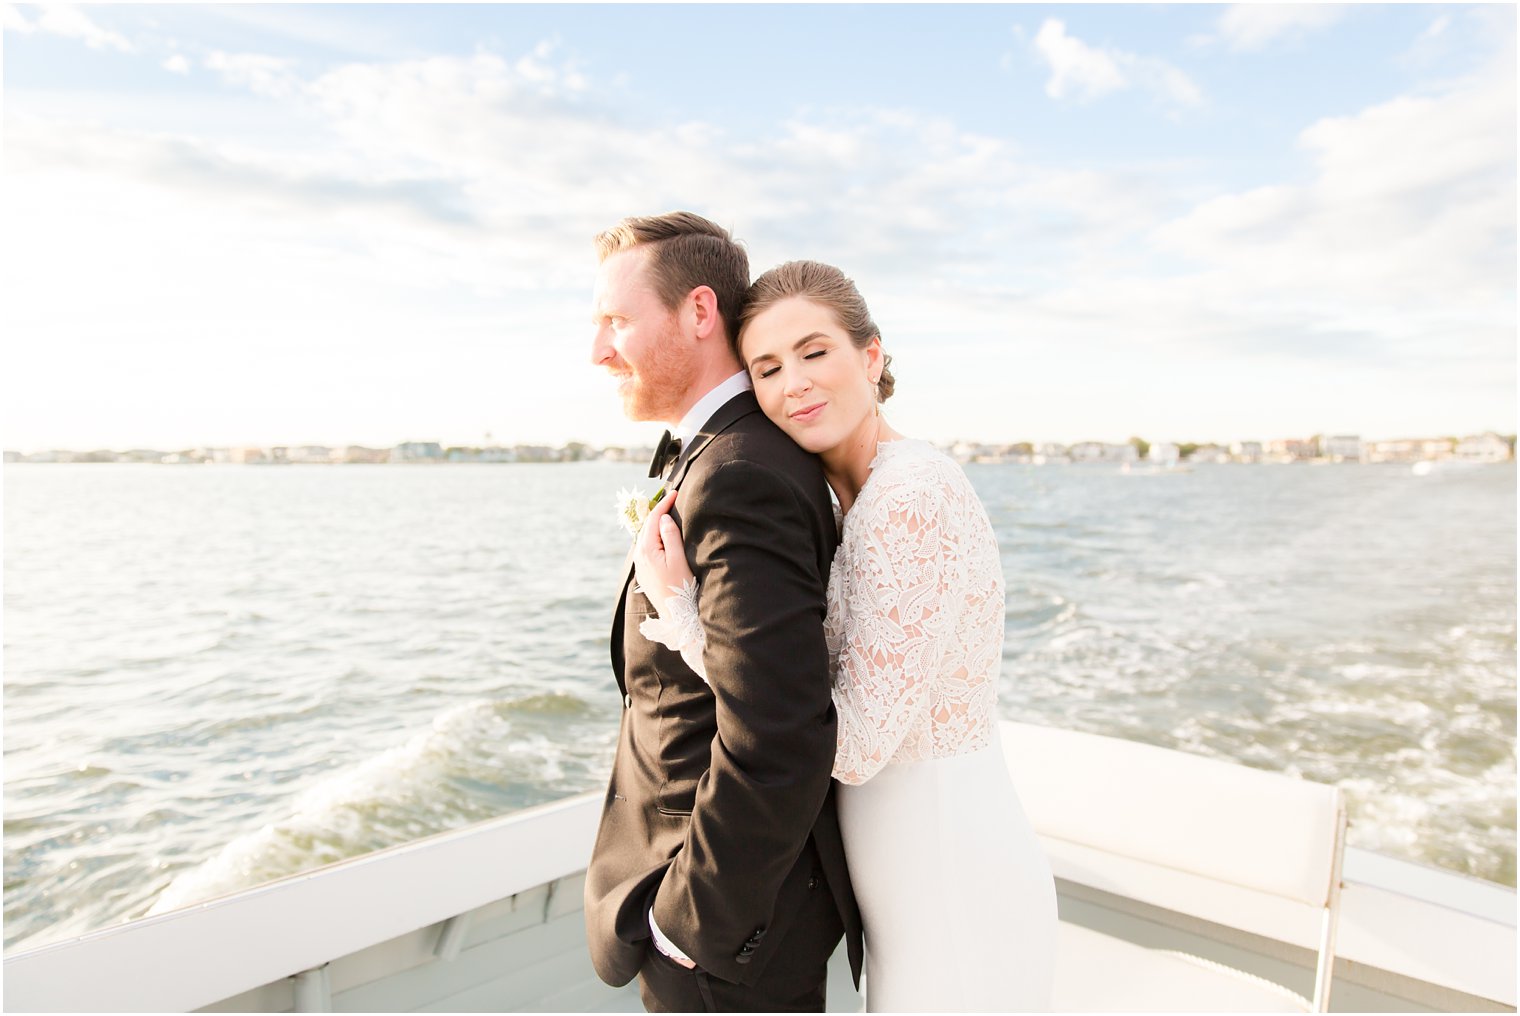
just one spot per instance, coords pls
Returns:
(761, 373)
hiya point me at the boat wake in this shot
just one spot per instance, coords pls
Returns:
(474, 762)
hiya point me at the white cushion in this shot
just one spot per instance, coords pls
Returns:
(1261, 830)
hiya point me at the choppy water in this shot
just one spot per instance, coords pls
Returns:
(215, 676)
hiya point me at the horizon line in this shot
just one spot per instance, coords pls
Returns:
(590, 445)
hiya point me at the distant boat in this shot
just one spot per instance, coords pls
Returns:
(1154, 468)
(1427, 467)
(1184, 884)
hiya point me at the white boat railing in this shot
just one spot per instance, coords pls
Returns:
(189, 958)
(1135, 831)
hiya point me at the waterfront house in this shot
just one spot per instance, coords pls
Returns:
(417, 451)
(537, 453)
(311, 454)
(1289, 450)
(1246, 451)
(1341, 448)
(1398, 450)
(357, 454)
(1489, 447)
(1086, 451)
(1099, 451)
(1051, 452)
(1164, 453)
(972, 451)
(1210, 453)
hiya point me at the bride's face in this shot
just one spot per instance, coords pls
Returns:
(809, 377)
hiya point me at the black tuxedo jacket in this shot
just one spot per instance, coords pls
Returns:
(720, 810)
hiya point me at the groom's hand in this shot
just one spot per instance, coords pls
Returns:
(666, 947)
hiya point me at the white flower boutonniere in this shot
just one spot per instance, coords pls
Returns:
(633, 508)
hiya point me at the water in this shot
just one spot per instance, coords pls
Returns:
(215, 676)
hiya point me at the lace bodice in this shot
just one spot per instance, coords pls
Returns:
(915, 616)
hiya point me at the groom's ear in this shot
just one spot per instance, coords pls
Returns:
(702, 308)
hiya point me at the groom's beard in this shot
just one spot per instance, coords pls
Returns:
(654, 389)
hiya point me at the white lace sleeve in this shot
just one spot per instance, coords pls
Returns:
(680, 627)
(895, 616)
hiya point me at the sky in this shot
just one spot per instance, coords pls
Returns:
(289, 224)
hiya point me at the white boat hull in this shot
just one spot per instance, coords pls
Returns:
(488, 918)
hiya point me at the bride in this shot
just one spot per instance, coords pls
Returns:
(955, 892)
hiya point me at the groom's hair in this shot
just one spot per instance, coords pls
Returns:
(685, 251)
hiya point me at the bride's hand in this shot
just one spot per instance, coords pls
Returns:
(659, 559)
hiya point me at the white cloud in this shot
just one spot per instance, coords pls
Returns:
(1082, 71)
(265, 75)
(1448, 35)
(1412, 206)
(12, 20)
(1436, 28)
(1390, 269)
(319, 26)
(1374, 294)
(463, 188)
(65, 20)
(177, 64)
(448, 206)
(1165, 80)
(1254, 26)
(1076, 66)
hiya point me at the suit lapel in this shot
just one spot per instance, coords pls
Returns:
(728, 414)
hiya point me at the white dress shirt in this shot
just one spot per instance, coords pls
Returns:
(709, 404)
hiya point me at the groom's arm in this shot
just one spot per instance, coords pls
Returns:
(752, 541)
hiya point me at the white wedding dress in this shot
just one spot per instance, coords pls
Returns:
(954, 889)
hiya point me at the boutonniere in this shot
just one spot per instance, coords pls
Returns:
(633, 508)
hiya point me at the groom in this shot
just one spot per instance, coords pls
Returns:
(718, 875)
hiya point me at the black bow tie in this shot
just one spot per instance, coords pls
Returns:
(664, 454)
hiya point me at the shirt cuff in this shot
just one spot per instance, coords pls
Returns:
(664, 944)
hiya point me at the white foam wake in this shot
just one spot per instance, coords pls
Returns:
(411, 790)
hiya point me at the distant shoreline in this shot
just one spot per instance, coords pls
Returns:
(1489, 447)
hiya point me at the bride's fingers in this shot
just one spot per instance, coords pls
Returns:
(654, 546)
(670, 536)
(649, 537)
